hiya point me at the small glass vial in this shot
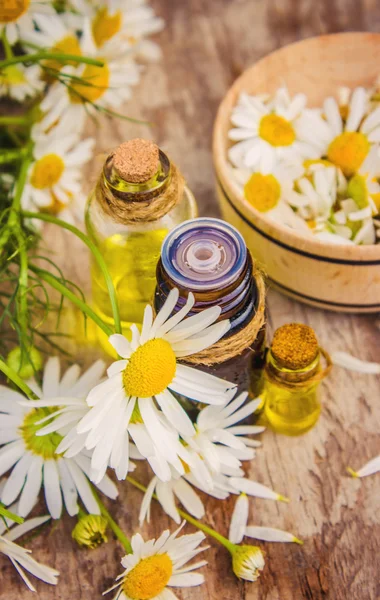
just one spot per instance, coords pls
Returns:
(139, 197)
(209, 258)
(291, 378)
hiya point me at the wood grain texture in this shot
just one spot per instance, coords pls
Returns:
(205, 46)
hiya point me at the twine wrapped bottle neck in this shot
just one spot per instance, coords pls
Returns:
(137, 188)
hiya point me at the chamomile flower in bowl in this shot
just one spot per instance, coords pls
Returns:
(317, 238)
(270, 131)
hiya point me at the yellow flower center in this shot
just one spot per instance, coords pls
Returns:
(276, 130)
(47, 171)
(67, 45)
(105, 26)
(12, 76)
(262, 191)
(95, 84)
(348, 150)
(44, 445)
(148, 578)
(358, 191)
(13, 10)
(150, 369)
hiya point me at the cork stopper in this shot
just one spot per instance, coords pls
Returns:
(294, 346)
(136, 161)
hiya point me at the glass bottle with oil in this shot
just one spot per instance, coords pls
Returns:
(209, 258)
(291, 378)
(139, 197)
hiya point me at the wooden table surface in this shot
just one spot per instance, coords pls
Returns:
(205, 46)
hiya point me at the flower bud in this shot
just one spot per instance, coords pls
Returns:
(25, 362)
(247, 562)
(90, 531)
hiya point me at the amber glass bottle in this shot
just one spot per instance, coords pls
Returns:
(139, 197)
(209, 258)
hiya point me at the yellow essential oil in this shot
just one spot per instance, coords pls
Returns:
(139, 198)
(292, 376)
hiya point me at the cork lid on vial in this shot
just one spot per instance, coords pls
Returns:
(136, 161)
(294, 346)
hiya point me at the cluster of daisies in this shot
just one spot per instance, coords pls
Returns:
(64, 93)
(316, 170)
(75, 428)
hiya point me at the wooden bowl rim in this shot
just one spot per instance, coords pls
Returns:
(360, 253)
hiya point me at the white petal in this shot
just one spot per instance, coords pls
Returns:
(32, 487)
(69, 491)
(83, 487)
(269, 534)
(177, 317)
(189, 499)
(165, 497)
(194, 324)
(175, 414)
(25, 527)
(252, 488)
(10, 454)
(186, 580)
(165, 311)
(239, 520)
(50, 384)
(371, 467)
(200, 342)
(16, 480)
(121, 345)
(343, 359)
(145, 504)
(356, 109)
(52, 489)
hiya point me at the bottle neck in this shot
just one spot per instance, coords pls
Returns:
(137, 192)
(290, 376)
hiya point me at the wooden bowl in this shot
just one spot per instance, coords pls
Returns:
(341, 278)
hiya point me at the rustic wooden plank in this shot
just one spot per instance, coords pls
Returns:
(205, 46)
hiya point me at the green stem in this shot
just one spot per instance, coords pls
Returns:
(9, 156)
(114, 526)
(22, 292)
(20, 383)
(95, 252)
(53, 281)
(6, 45)
(14, 121)
(7, 514)
(217, 536)
(61, 57)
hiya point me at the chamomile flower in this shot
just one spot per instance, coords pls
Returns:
(239, 527)
(33, 458)
(348, 139)
(54, 35)
(157, 565)
(269, 193)
(269, 132)
(127, 22)
(100, 87)
(19, 82)
(17, 17)
(217, 450)
(53, 181)
(136, 399)
(19, 556)
(316, 192)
